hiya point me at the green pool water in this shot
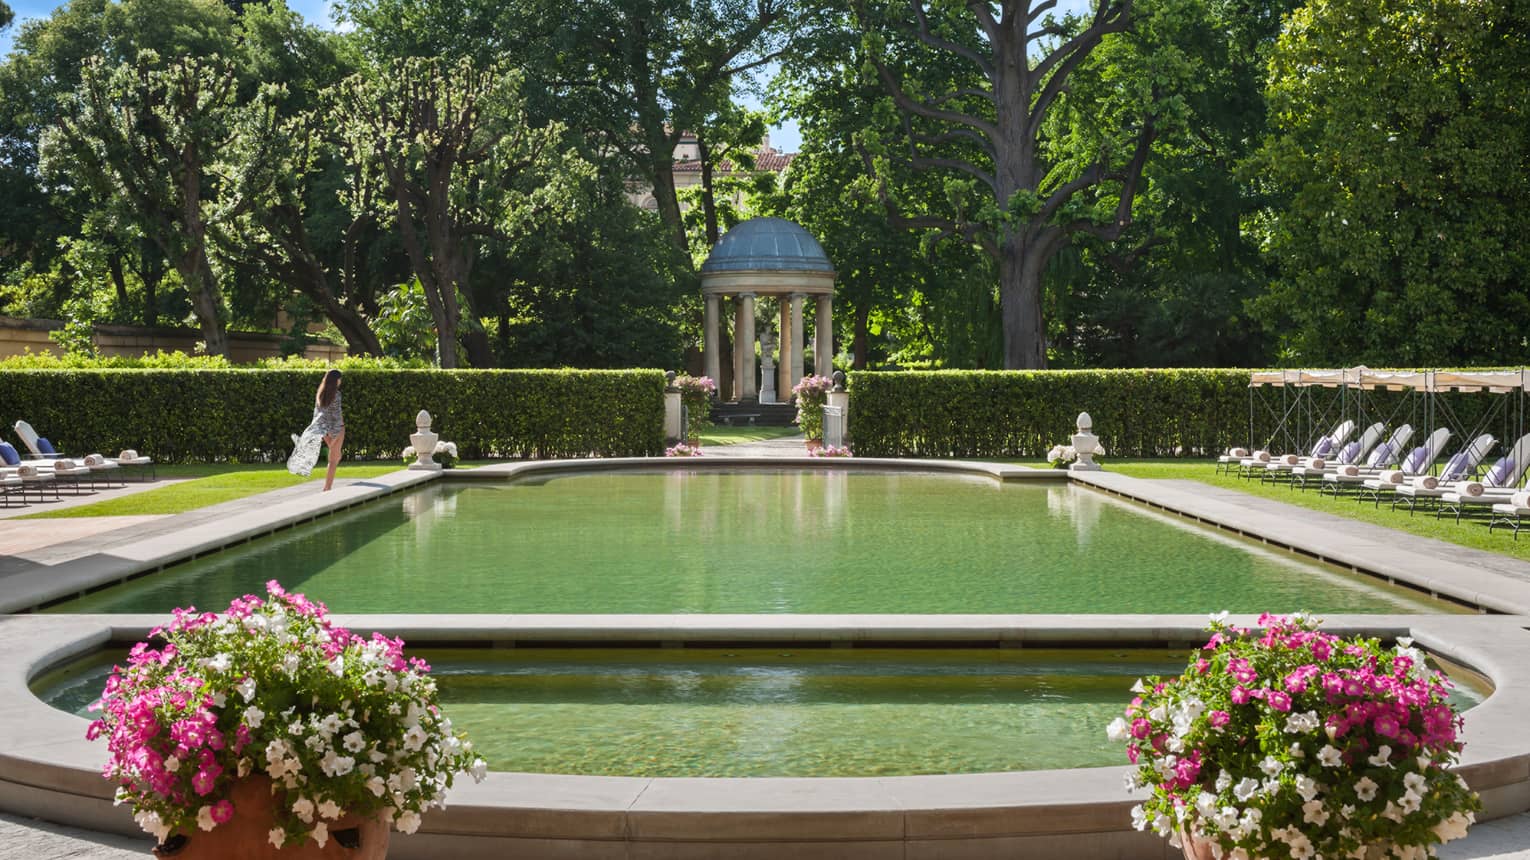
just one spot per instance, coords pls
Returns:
(773, 712)
(799, 542)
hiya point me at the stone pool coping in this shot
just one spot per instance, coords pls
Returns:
(48, 770)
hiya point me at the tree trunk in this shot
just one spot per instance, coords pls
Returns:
(669, 203)
(479, 351)
(206, 300)
(858, 345)
(1020, 270)
(114, 266)
(708, 201)
(151, 271)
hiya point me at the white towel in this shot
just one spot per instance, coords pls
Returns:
(1350, 471)
(1318, 464)
(1290, 459)
(1427, 482)
(1392, 476)
(1237, 453)
(1520, 499)
(26, 471)
(63, 466)
(1262, 456)
(128, 454)
(95, 460)
(1471, 488)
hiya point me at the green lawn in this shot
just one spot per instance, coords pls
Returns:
(210, 484)
(721, 435)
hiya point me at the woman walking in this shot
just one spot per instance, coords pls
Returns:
(327, 428)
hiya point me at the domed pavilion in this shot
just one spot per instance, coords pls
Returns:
(768, 257)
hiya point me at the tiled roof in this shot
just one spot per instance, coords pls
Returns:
(772, 161)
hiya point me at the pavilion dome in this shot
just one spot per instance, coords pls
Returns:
(767, 245)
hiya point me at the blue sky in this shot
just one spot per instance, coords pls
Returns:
(784, 137)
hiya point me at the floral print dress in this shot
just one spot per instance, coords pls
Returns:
(327, 421)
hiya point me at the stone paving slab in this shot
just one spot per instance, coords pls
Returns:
(19, 537)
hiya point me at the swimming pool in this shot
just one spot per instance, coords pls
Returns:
(762, 542)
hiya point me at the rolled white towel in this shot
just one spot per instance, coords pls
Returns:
(95, 460)
(1471, 488)
(1350, 471)
(1520, 499)
(1290, 459)
(60, 466)
(1392, 476)
(1237, 453)
(128, 454)
(26, 471)
(1319, 463)
(1262, 456)
(1427, 482)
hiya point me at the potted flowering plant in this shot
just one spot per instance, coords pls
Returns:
(812, 392)
(696, 393)
(683, 450)
(1284, 741)
(269, 720)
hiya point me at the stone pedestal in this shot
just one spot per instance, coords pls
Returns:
(424, 443)
(1084, 443)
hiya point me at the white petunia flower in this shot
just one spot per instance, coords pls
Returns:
(1330, 756)
(407, 822)
(205, 819)
(1245, 788)
(303, 808)
(1383, 756)
(329, 809)
(1365, 789)
(321, 833)
(1117, 730)
(253, 716)
(277, 836)
(1315, 812)
(1271, 766)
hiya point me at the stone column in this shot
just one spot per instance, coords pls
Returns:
(823, 337)
(711, 363)
(743, 339)
(797, 339)
(784, 381)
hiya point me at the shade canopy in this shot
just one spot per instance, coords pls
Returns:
(1499, 381)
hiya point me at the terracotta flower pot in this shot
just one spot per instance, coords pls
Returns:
(814, 445)
(246, 836)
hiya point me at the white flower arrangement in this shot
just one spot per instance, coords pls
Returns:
(338, 723)
(1061, 455)
(1284, 741)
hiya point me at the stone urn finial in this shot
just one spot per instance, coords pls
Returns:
(1085, 446)
(669, 380)
(424, 443)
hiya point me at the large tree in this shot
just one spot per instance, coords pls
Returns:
(446, 154)
(146, 133)
(1401, 161)
(1017, 191)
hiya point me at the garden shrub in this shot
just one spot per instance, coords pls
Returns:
(1137, 413)
(249, 415)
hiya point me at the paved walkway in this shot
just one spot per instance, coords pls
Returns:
(786, 446)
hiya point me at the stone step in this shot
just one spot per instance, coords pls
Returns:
(761, 414)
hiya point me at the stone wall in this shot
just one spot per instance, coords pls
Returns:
(18, 336)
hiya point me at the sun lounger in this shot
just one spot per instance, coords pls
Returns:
(1351, 453)
(40, 447)
(1511, 514)
(1281, 468)
(1458, 468)
(1384, 457)
(1418, 462)
(132, 460)
(32, 478)
(1501, 482)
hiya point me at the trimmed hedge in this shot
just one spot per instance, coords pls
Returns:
(250, 415)
(1137, 413)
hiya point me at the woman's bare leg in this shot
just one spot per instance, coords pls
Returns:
(334, 443)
